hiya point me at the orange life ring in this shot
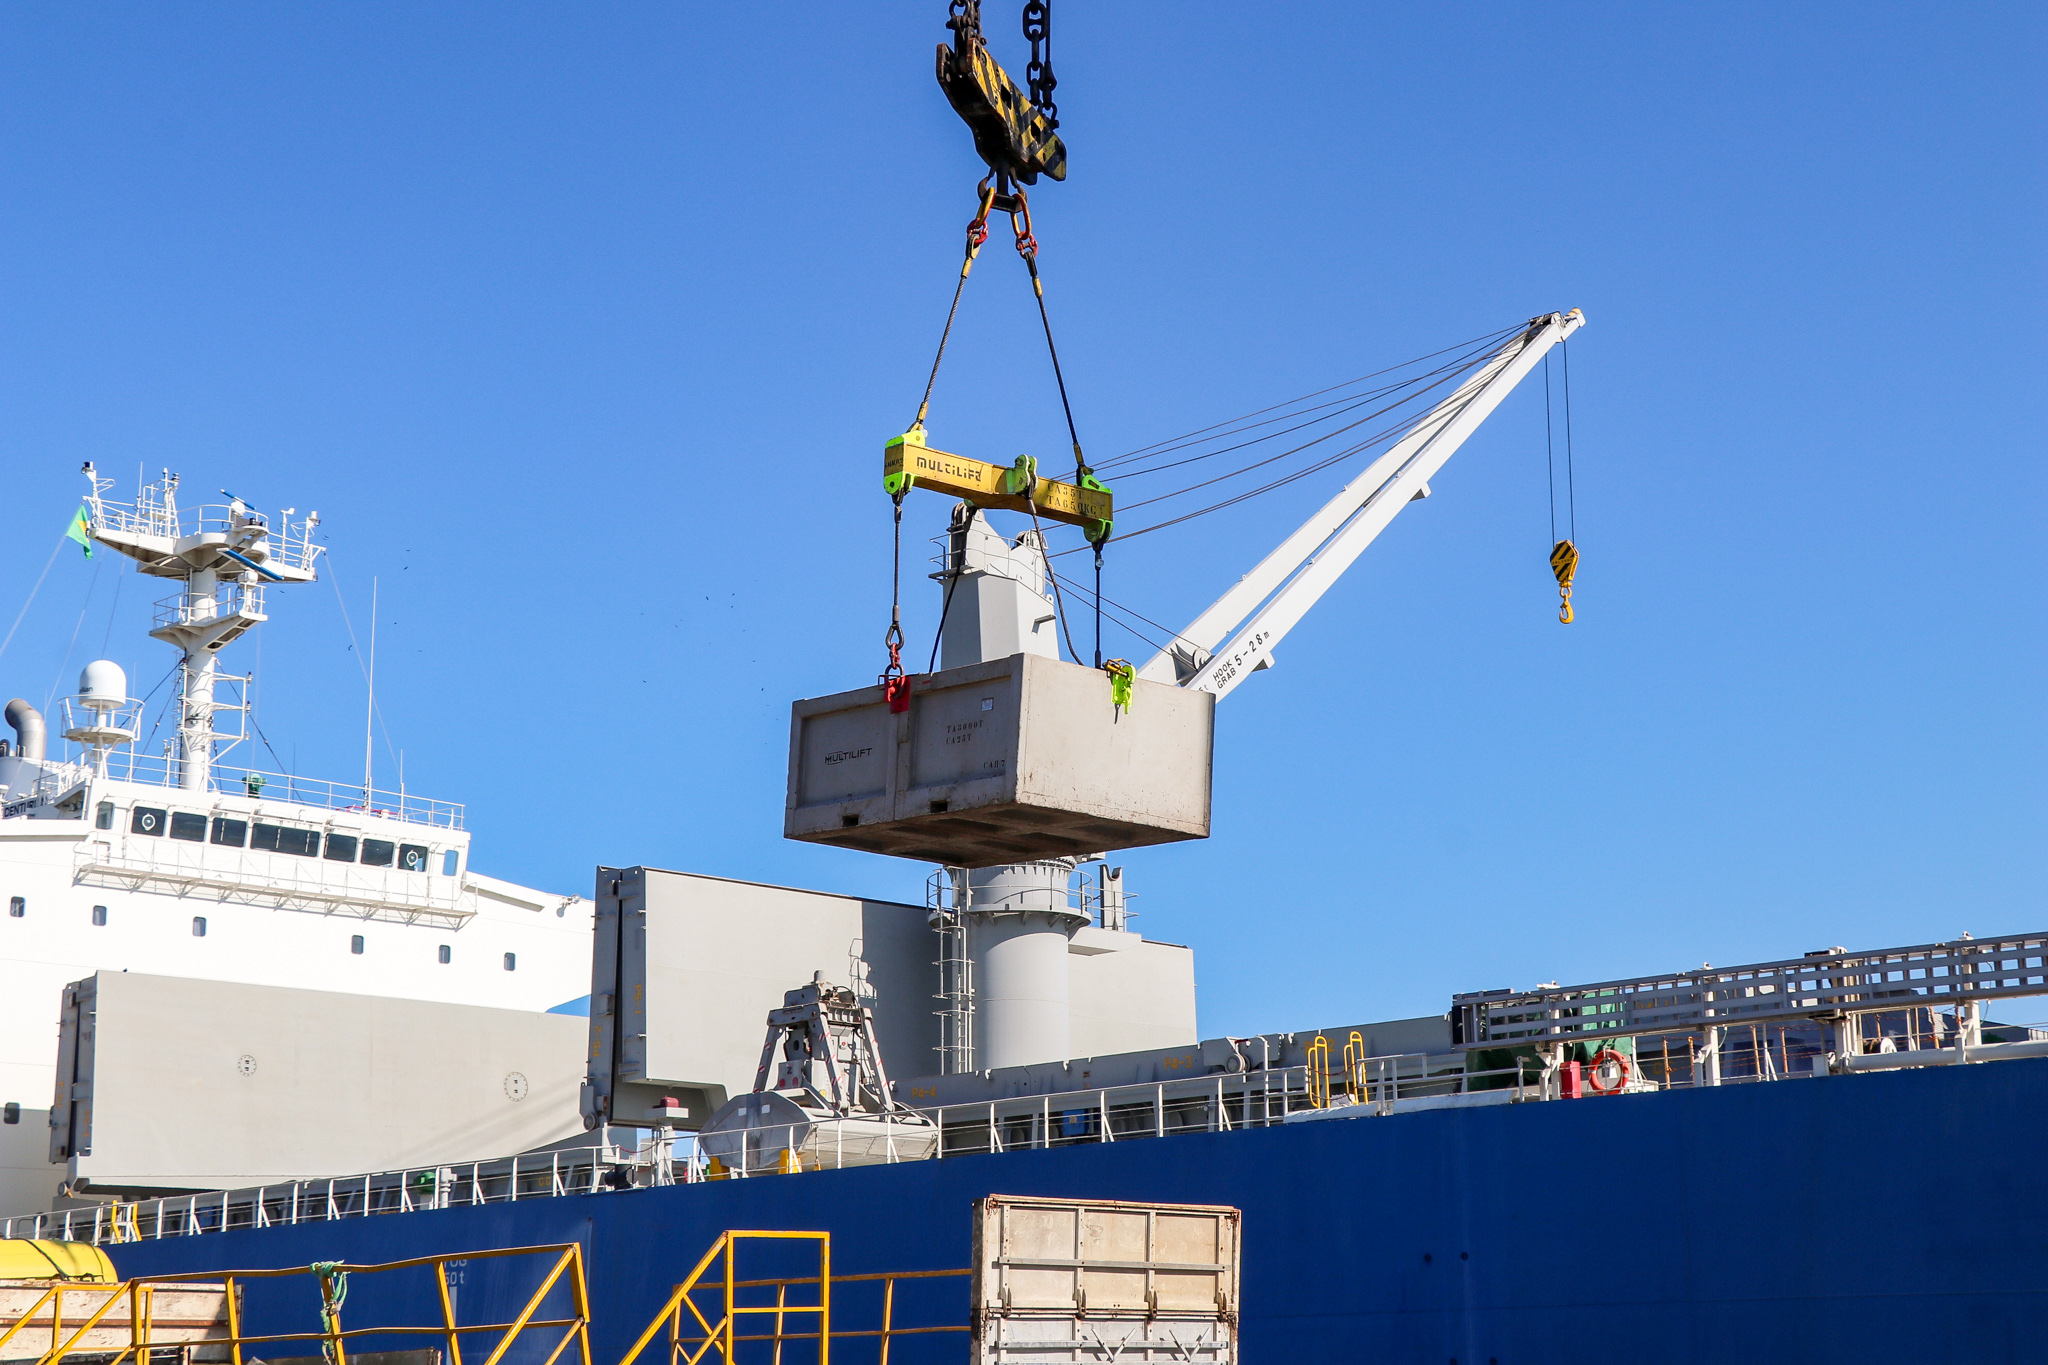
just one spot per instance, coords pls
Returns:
(1597, 1068)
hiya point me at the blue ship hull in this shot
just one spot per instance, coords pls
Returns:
(1900, 1216)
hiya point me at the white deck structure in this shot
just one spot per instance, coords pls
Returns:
(177, 865)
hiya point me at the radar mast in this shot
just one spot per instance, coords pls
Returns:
(225, 556)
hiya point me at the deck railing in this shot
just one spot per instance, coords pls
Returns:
(1217, 1103)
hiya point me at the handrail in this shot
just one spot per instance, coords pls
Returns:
(722, 1333)
(333, 1336)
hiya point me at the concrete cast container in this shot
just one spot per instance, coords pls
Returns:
(1001, 762)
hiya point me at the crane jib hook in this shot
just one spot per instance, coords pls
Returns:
(1564, 562)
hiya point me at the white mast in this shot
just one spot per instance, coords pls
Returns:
(224, 556)
(370, 706)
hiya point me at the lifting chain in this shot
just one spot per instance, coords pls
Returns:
(895, 682)
(1038, 76)
(964, 18)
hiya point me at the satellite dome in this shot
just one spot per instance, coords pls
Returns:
(103, 680)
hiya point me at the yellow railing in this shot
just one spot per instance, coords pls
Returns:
(693, 1348)
(1354, 1066)
(1318, 1069)
(334, 1338)
(691, 1340)
(137, 1297)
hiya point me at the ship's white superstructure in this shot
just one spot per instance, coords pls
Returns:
(177, 864)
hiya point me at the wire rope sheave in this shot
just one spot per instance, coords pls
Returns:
(907, 462)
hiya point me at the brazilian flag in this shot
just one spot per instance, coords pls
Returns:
(80, 530)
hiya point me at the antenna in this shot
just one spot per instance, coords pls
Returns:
(370, 710)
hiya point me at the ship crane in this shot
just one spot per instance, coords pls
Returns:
(1236, 636)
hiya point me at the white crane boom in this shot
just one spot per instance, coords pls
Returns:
(1293, 577)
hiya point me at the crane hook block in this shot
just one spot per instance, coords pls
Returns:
(1012, 135)
(908, 462)
(1564, 562)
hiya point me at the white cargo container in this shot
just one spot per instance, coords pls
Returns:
(1103, 1280)
(1001, 762)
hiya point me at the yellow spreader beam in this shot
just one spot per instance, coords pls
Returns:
(907, 462)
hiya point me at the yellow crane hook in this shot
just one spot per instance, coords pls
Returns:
(1564, 562)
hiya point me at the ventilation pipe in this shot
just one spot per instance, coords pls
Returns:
(29, 739)
(1018, 928)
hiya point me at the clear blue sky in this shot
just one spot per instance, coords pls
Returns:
(582, 327)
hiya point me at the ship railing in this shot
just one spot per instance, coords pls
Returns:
(532, 1175)
(255, 879)
(290, 542)
(162, 770)
(1224, 1102)
(230, 598)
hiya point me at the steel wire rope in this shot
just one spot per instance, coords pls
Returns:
(1281, 482)
(1116, 608)
(1549, 450)
(1319, 466)
(938, 635)
(1492, 338)
(1405, 425)
(1116, 611)
(155, 724)
(31, 600)
(1384, 436)
(1284, 431)
(50, 698)
(1348, 404)
(1045, 554)
(1570, 489)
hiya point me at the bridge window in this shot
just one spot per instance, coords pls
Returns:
(199, 926)
(99, 917)
(412, 857)
(447, 955)
(355, 944)
(146, 820)
(10, 1112)
(189, 827)
(341, 848)
(378, 852)
(304, 843)
(450, 860)
(17, 907)
(230, 833)
(103, 815)
(511, 962)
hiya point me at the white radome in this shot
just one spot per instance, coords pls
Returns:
(103, 681)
